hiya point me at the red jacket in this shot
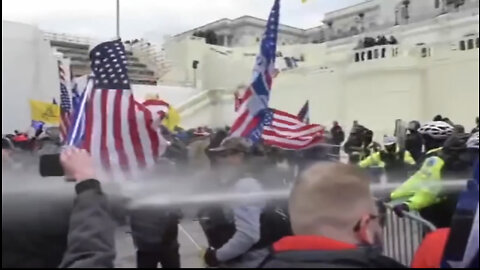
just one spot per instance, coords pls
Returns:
(303, 251)
(305, 242)
(429, 253)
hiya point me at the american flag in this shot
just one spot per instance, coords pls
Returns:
(65, 102)
(304, 113)
(253, 112)
(119, 131)
(158, 107)
(288, 132)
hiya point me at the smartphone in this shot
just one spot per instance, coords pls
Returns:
(50, 165)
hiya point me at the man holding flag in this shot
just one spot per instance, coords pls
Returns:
(246, 241)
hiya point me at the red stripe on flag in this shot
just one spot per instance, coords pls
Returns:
(117, 131)
(155, 102)
(239, 121)
(89, 123)
(250, 126)
(104, 155)
(134, 134)
(154, 139)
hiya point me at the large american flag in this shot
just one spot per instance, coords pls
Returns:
(65, 102)
(252, 114)
(119, 131)
(288, 132)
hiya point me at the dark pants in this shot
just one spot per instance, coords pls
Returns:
(440, 214)
(167, 256)
(165, 252)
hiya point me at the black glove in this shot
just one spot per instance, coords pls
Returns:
(400, 209)
(210, 257)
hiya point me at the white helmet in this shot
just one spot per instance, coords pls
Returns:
(473, 141)
(437, 129)
(389, 140)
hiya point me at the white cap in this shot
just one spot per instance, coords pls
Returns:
(389, 140)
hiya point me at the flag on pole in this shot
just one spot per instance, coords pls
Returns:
(158, 107)
(167, 113)
(253, 113)
(238, 101)
(65, 101)
(119, 131)
(288, 132)
(304, 114)
(46, 112)
(79, 86)
(461, 250)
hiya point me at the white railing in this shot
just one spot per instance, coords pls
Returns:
(153, 57)
(68, 38)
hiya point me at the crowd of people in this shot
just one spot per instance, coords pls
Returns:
(331, 218)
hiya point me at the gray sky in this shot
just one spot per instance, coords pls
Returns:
(96, 18)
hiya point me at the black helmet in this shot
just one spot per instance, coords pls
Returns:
(456, 144)
(413, 125)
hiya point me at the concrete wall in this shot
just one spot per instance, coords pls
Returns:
(29, 71)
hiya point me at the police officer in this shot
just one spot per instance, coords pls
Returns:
(414, 141)
(240, 238)
(394, 160)
(422, 191)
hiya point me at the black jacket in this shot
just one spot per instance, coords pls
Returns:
(354, 258)
(36, 226)
(414, 145)
(338, 136)
(91, 240)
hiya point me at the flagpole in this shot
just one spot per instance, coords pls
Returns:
(80, 112)
(118, 19)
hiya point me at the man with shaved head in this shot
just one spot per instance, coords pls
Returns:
(335, 222)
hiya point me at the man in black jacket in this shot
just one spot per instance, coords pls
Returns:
(338, 136)
(335, 222)
(414, 141)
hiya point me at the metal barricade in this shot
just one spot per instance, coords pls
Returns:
(402, 236)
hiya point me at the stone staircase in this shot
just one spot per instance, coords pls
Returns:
(77, 50)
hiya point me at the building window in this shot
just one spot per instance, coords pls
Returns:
(424, 52)
(437, 3)
(462, 45)
(369, 55)
(470, 44)
(476, 42)
(258, 39)
(375, 53)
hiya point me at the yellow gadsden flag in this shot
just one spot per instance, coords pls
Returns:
(45, 111)
(172, 119)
